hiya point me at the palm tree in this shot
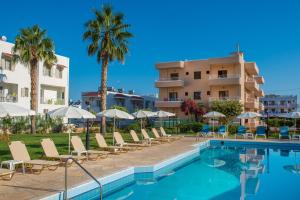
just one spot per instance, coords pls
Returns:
(32, 46)
(108, 38)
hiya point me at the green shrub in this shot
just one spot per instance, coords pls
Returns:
(20, 125)
(190, 127)
(232, 129)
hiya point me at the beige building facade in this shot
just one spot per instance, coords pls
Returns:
(221, 79)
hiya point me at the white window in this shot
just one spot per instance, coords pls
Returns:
(58, 72)
(6, 63)
(47, 71)
(24, 92)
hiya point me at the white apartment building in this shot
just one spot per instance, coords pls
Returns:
(53, 84)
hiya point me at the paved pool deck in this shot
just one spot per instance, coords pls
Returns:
(31, 186)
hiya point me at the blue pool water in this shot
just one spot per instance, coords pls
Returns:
(230, 171)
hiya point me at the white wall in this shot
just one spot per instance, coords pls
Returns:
(21, 76)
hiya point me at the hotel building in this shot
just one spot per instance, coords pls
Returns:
(52, 84)
(132, 102)
(213, 79)
(276, 105)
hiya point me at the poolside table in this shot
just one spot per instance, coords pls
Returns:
(12, 164)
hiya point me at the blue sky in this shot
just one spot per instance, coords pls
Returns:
(164, 30)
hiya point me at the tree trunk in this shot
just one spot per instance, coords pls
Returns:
(33, 93)
(103, 92)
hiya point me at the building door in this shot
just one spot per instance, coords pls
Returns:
(173, 96)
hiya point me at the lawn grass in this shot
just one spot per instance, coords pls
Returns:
(35, 150)
(34, 147)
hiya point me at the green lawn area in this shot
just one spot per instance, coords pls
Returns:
(34, 147)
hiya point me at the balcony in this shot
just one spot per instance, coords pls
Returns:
(52, 101)
(259, 79)
(251, 68)
(260, 93)
(224, 99)
(251, 103)
(169, 82)
(261, 106)
(168, 103)
(251, 84)
(8, 92)
(230, 79)
(170, 65)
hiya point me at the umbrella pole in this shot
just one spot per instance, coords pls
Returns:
(87, 136)
(114, 131)
(295, 126)
(69, 142)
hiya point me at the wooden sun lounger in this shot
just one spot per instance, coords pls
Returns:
(136, 139)
(114, 149)
(80, 149)
(120, 141)
(157, 136)
(6, 174)
(19, 152)
(51, 152)
(146, 137)
(164, 134)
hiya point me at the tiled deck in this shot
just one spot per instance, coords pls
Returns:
(31, 186)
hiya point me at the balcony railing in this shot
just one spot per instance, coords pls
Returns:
(168, 102)
(8, 99)
(224, 98)
(224, 76)
(53, 101)
(169, 82)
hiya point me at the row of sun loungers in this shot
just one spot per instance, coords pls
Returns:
(80, 153)
(242, 132)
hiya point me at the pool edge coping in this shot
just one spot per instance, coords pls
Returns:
(90, 185)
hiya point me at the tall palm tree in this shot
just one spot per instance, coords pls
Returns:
(108, 38)
(31, 47)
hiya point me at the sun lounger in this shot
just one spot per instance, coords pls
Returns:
(205, 131)
(157, 136)
(261, 131)
(120, 141)
(284, 132)
(6, 174)
(80, 149)
(137, 140)
(241, 131)
(222, 130)
(51, 152)
(146, 137)
(103, 145)
(19, 152)
(164, 134)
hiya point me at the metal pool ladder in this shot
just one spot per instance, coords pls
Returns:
(65, 195)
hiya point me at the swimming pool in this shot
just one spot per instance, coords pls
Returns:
(224, 170)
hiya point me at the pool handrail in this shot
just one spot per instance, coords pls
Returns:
(65, 194)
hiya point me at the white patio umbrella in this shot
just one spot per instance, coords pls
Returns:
(73, 112)
(214, 114)
(143, 114)
(115, 114)
(249, 115)
(293, 115)
(13, 110)
(162, 114)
